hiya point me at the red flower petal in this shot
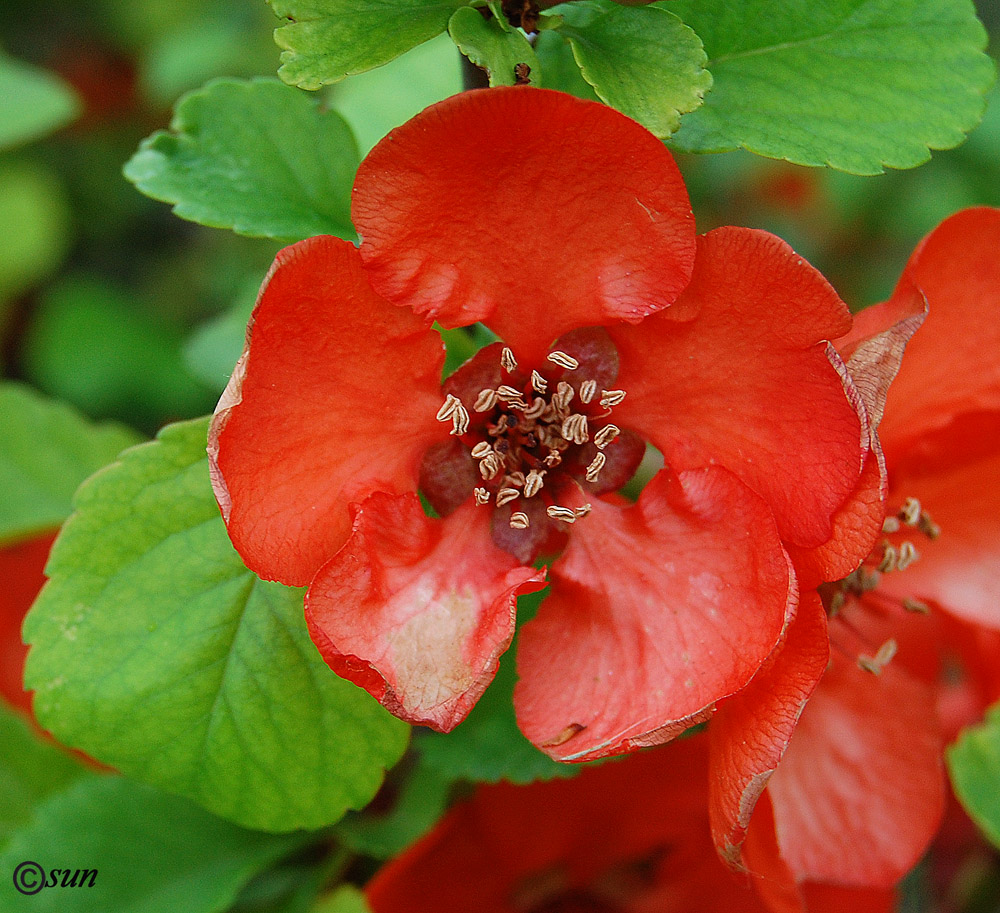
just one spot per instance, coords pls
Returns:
(656, 612)
(335, 395)
(531, 210)
(22, 574)
(960, 570)
(417, 611)
(951, 365)
(748, 383)
(859, 791)
(751, 730)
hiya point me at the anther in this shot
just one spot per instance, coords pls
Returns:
(536, 408)
(907, 555)
(507, 360)
(499, 427)
(460, 420)
(481, 449)
(563, 360)
(506, 495)
(574, 428)
(883, 656)
(890, 525)
(538, 382)
(890, 558)
(582, 512)
(533, 482)
(507, 393)
(915, 605)
(606, 435)
(595, 467)
(516, 479)
(587, 390)
(562, 397)
(927, 526)
(482, 496)
(486, 400)
(451, 403)
(491, 465)
(553, 458)
(566, 514)
(611, 398)
(910, 512)
(519, 520)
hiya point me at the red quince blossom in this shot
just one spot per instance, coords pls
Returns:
(566, 229)
(859, 791)
(630, 836)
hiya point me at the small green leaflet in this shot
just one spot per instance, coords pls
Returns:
(496, 49)
(46, 450)
(641, 60)
(345, 899)
(325, 40)
(859, 85)
(255, 156)
(33, 102)
(152, 853)
(974, 765)
(156, 651)
(30, 769)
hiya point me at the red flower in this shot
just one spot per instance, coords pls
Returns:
(566, 229)
(630, 836)
(859, 792)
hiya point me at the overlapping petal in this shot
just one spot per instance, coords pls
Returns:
(751, 730)
(335, 396)
(656, 612)
(951, 365)
(417, 611)
(749, 383)
(530, 210)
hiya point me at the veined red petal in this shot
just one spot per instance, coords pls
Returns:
(950, 365)
(656, 612)
(960, 570)
(335, 395)
(750, 731)
(748, 383)
(418, 611)
(528, 209)
(860, 790)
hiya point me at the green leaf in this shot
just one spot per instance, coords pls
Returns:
(496, 49)
(345, 899)
(151, 853)
(855, 84)
(559, 66)
(33, 102)
(326, 40)
(487, 746)
(641, 60)
(974, 765)
(255, 156)
(158, 652)
(30, 769)
(46, 450)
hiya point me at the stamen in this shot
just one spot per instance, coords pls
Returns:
(519, 520)
(587, 390)
(538, 382)
(490, 467)
(574, 429)
(553, 459)
(451, 403)
(516, 478)
(566, 514)
(907, 555)
(611, 398)
(595, 467)
(915, 605)
(482, 495)
(507, 393)
(910, 512)
(562, 397)
(606, 435)
(883, 656)
(890, 558)
(890, 525)
(486, 400)
(533, 482)
(506, 495)
(499, 427)
(927, 526)
(459, 420)
(563, 360)
(536, 408)
(582, 512)
(507, 360)
(481, 449)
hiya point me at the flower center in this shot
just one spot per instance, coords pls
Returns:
(535, 433)
(862, 585)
